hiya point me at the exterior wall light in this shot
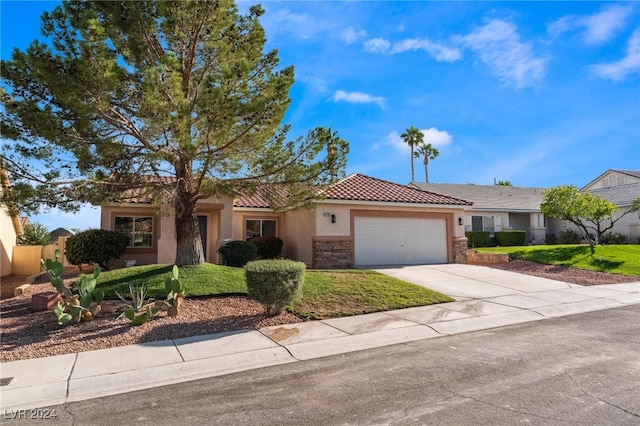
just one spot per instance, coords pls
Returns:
(459, 221)
(333, 218)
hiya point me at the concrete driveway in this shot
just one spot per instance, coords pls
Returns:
(464, 282)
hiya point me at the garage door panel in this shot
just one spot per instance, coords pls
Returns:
(398, 240)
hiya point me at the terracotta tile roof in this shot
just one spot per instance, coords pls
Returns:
(357, 187)
(253, 201)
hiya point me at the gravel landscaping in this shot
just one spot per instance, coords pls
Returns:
(27, 334)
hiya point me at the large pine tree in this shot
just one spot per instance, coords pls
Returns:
(122, 93)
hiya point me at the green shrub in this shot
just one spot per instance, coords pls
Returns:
(35, 234)
(96, 246)
(268, 247)
(511, 238)
(237, 253)
(274, 283)
(477, 239)
(551, 239)
(613, 238)
(569, 236)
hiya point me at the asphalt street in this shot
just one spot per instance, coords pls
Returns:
(574, 370)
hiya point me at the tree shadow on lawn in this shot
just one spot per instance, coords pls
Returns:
(139, 276)
(568, 256)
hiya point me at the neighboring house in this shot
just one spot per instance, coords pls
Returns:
(60, 232)
(620, 187)
(498, 207)
(10, 229)
(359, 221)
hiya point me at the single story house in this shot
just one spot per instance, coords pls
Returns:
(360, 220)
(620, 187)
(11, 226)
(61, 232)
(498, 207)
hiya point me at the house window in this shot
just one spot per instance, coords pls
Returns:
(139, 229)
(260, 228)
(483, 223)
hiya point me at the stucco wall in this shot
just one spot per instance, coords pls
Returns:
(298, 232)
(342, 226)
(338, 235)
(219, 213)
(7, 242)
(142, 256)
(612, 179)
(629, 225)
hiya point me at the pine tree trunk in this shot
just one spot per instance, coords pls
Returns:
(189, 244)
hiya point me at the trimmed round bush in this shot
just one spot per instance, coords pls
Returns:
(268, 247)
(569, 236)
(237, 253)
(551, 239)
(274, 283)
(95, 246)
(613, 238)
(511, 238)
(477, 238)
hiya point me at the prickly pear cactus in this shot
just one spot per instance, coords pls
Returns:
(175, 298)
(79, 306)
(55, 269)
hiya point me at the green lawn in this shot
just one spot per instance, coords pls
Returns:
(325, 293)
(623, 259)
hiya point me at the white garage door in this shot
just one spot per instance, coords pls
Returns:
(399, 241)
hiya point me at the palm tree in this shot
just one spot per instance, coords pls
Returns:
(413, 137)
(427, 152)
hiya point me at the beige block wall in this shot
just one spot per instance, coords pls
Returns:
(26, 260)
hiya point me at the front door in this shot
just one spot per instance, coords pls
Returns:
(202, 224)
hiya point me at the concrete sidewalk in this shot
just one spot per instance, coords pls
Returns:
(485, 299)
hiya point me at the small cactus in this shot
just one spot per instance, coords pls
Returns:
(175, 298)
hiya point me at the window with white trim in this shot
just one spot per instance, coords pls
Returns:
(483, 223)
(259, 228)
(139, 229)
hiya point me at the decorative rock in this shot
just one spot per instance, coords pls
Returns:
(19, 291)
(45, 301)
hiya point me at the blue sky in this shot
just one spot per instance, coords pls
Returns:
(537, 93)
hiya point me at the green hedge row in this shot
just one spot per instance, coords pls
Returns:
(511, 238)
(477, 238)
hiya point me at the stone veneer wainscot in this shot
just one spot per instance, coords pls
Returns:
(336, 252)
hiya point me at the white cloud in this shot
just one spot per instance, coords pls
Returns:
(597, 28)
(499, 47)
(438, 51)
(377, 45)
(395, 140)
(316, 83)
(351, 35)
(437, 138)
(618, 70)
(358, 98)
